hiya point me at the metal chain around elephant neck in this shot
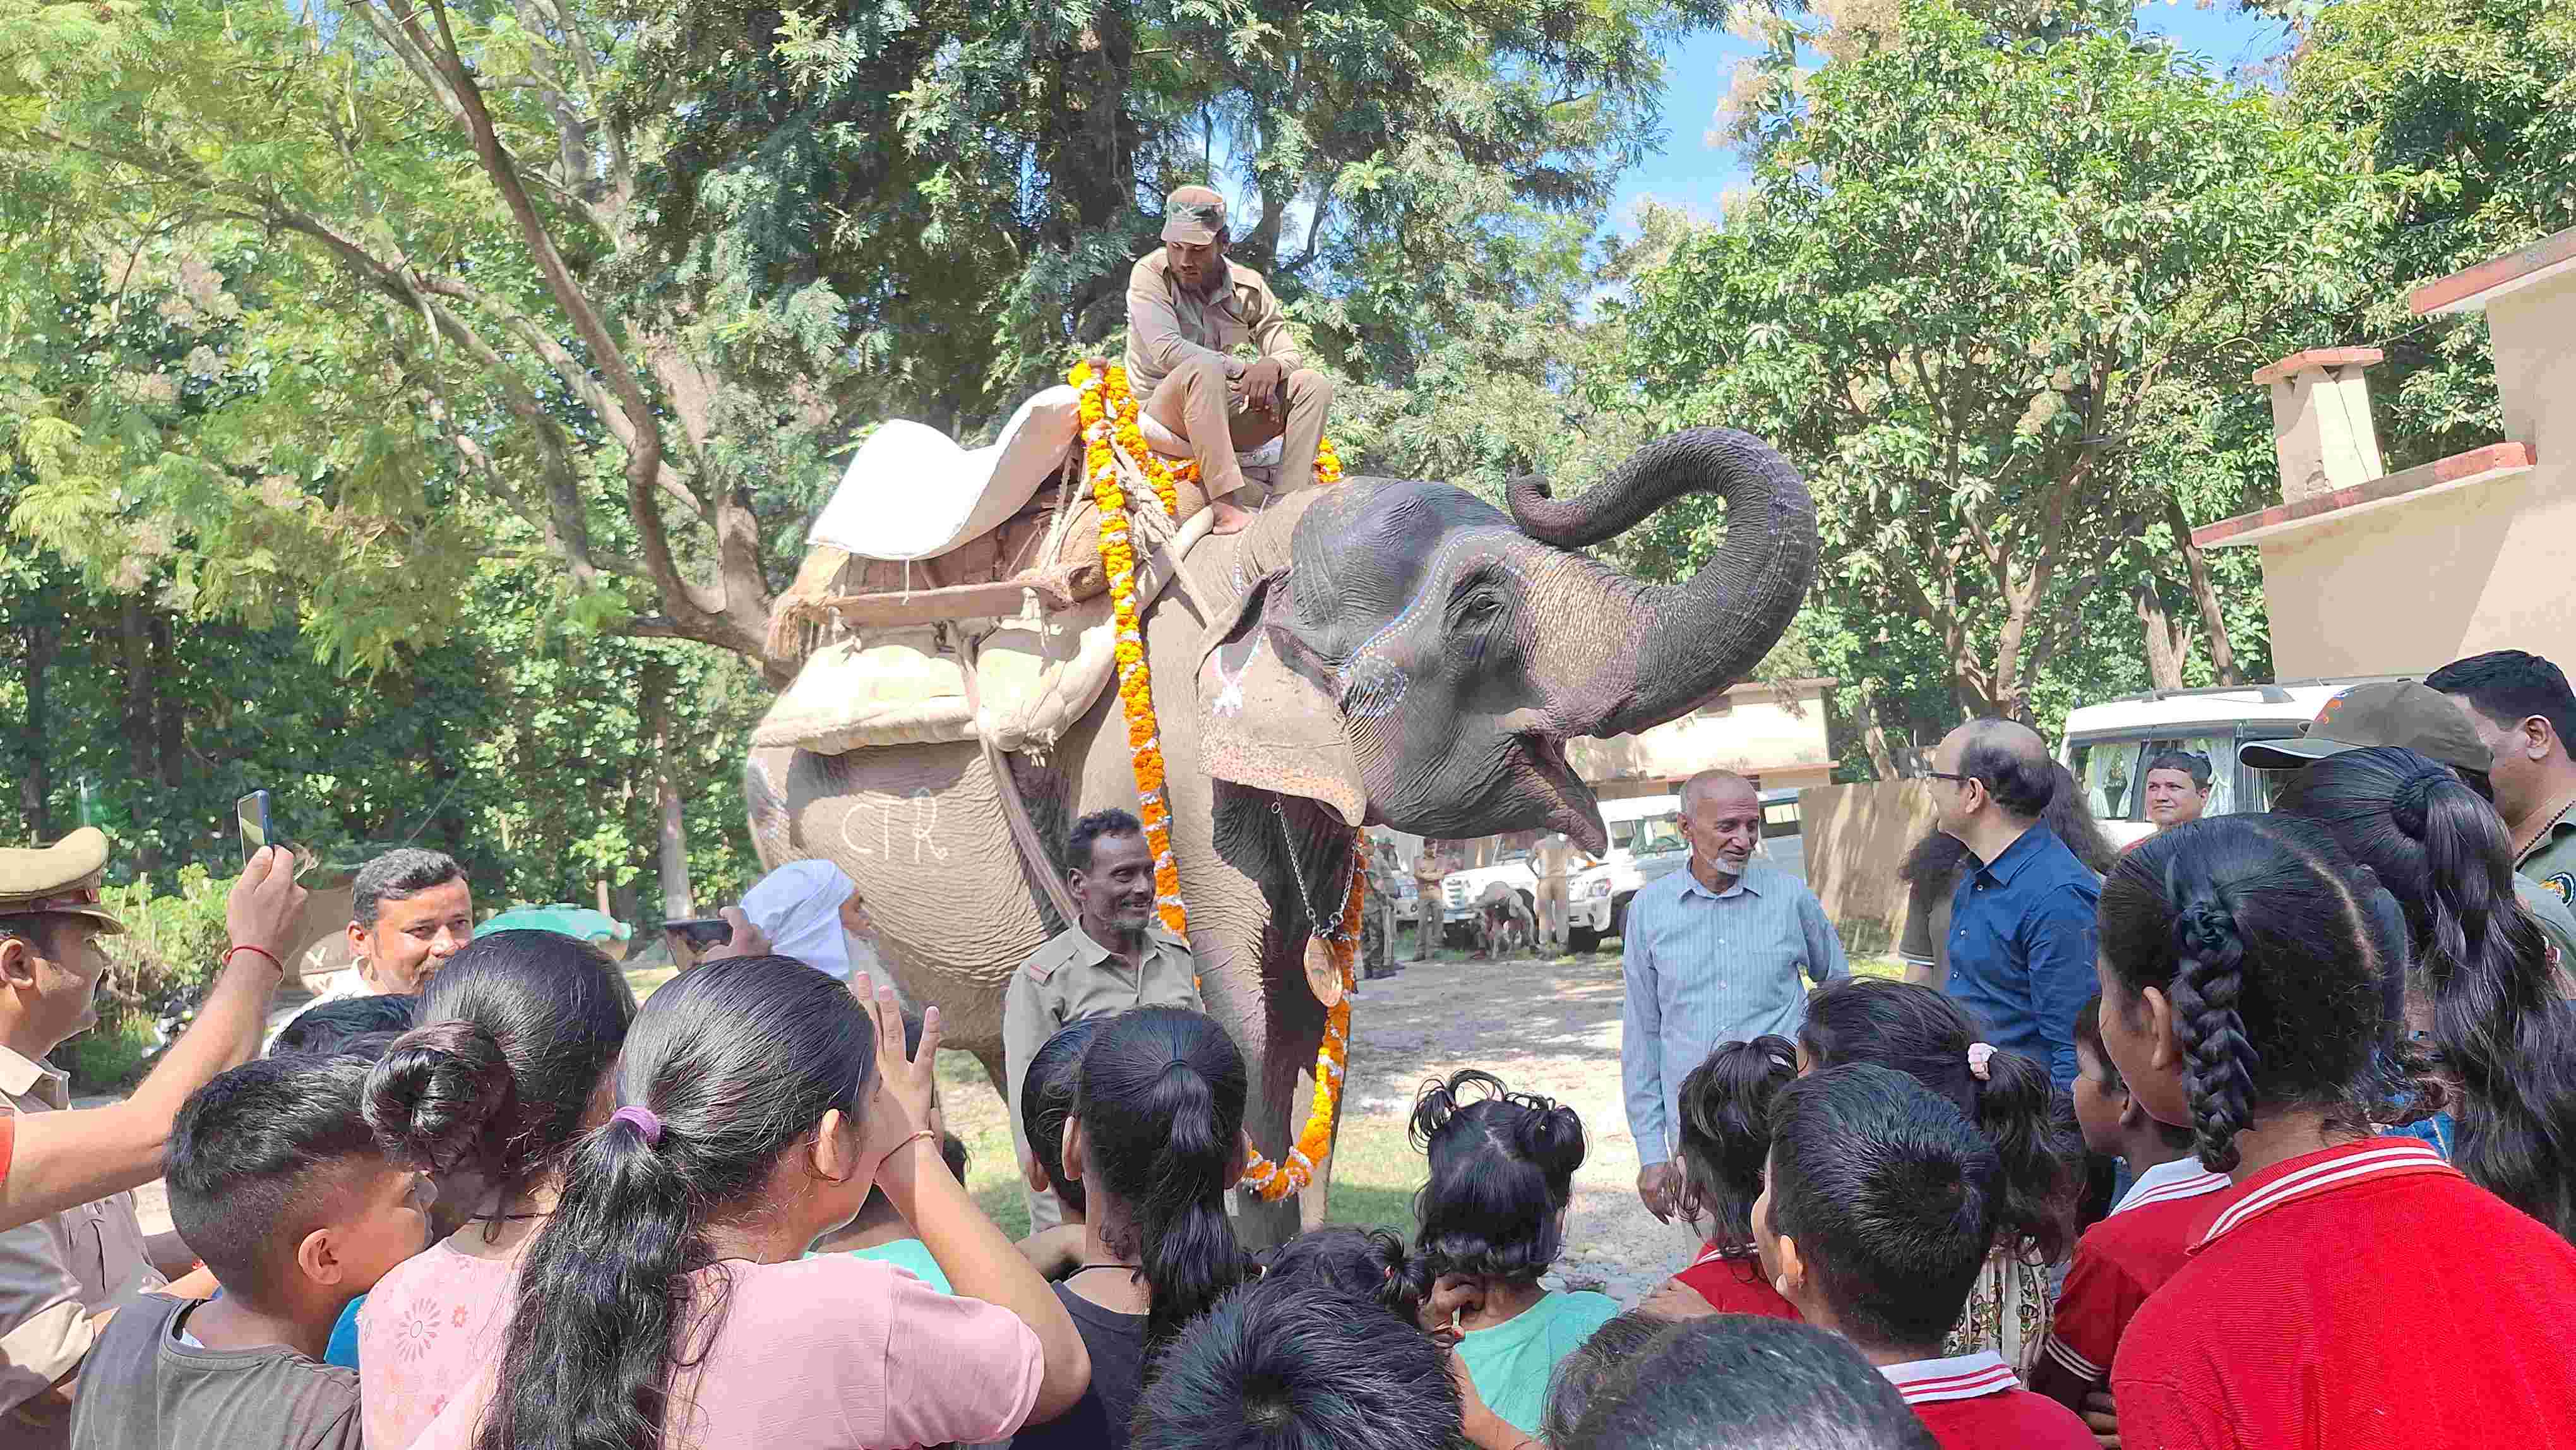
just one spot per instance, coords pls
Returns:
(1297, 873)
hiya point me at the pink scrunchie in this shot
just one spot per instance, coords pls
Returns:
(1980, 1057)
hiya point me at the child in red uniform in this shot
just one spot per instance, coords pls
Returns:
(2125, 1257)
(2357, 1292)
(1726, 1135)
(1877, 1216)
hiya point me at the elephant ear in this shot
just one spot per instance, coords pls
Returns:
(1266, 715)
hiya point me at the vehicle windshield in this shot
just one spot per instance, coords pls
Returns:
(2113, 772)
(1645, 838)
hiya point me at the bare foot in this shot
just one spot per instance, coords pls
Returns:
(1229, 519)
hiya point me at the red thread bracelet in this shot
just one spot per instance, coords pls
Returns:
(240, 947)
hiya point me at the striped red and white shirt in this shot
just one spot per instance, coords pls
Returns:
(2364, 1297)
(1976, 1402)
(2128, 1256)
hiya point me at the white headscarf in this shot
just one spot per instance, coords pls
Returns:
(799, 907)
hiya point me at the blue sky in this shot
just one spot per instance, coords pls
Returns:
(1692, 173)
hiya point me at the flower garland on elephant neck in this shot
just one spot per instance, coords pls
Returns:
(1108, 412)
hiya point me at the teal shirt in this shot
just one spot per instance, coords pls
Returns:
(344, 1337)
(911, 1254)
(1512, 1362)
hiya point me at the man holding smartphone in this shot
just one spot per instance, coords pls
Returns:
(71, 1246)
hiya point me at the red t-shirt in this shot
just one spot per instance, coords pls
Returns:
(2125, 1258)
(2363, 1297)
(1735, 1285)
(1974, 1402)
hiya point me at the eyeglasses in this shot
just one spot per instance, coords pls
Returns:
(1945, 775)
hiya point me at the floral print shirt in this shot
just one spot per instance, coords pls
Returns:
(428, 1328)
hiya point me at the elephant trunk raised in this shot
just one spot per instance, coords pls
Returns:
(1656, 651)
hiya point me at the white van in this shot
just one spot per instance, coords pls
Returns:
(1645, 843)
(2108, 745)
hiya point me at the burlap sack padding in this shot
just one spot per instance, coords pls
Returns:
(890, 688)
(897, 687)
(1034, 676)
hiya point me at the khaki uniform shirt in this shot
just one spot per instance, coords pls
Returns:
(1167, 324)
(2551, 861)
(57, 1272)
(1429, 870)
(1074, 977)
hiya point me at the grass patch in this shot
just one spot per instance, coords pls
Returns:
(109, 1058)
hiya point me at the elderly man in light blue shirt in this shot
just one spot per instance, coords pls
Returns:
(1718, 953)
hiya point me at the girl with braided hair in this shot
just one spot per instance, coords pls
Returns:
(2241, 968)
(2485, 992)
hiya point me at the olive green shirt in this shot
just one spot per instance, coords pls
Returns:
(1168, 324)
(1073, 977)
(2551, 861)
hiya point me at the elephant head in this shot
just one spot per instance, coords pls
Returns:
(1412, 657)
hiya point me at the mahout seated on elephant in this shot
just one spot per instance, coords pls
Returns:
(1390, 652)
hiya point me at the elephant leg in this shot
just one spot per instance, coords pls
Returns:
(990, 1055)
(1274, 1115)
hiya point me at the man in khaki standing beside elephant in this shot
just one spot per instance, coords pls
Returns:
(1188, 309)
(1114, 959)
(1552, 860)
(1429, 870)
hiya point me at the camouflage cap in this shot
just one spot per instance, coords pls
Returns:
(1193, 216)
(61, 878)
(2388, 712)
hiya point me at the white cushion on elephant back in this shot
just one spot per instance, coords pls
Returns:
(911, 493)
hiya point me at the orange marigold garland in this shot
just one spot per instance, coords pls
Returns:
(1108, 413)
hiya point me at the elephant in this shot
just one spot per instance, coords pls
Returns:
(1382, 652)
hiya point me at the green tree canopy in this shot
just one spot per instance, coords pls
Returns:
(609, 290)
(1994, 294)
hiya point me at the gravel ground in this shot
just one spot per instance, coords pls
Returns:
(1547, 1027)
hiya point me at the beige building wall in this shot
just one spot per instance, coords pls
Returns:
(1855, 837)
(2411, 587)
(1774, 732)
(2422, 581)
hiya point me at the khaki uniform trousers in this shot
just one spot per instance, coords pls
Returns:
(1199, 403)
(1551, 910)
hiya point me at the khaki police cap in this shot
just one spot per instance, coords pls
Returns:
(1193, 216)
(62, 878)
(2403, 713)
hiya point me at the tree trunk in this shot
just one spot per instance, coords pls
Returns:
(1873, 734)
(2168, 645)
(169, 717)
(677, 898)
(35, 783)
(2204, 593)
(142, 764)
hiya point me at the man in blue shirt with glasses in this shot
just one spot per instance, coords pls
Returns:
(2021, 921)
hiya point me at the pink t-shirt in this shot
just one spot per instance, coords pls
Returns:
(426, 1330)
(828, 1353)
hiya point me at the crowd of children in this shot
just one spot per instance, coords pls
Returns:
(732, 1217)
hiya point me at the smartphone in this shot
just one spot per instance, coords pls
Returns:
(701, 932)
(255, 828)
